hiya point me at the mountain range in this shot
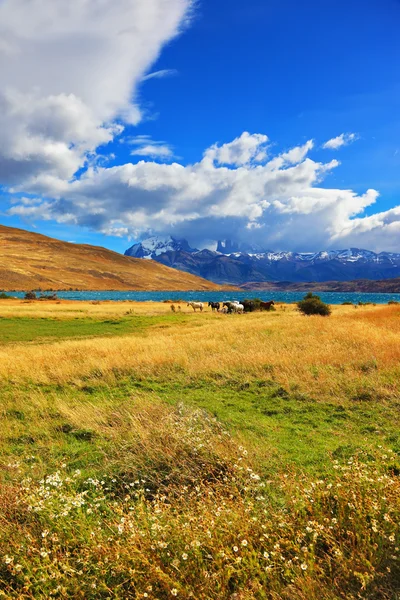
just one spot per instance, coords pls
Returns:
(237, 265)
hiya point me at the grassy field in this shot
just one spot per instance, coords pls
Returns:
(151, 454)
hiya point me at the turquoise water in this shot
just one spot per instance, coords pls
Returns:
(329, 297)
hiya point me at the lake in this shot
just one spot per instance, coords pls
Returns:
(329, 297)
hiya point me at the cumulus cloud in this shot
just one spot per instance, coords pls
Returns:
(241, 151)
(344, 139)
(69, 72)
(279, 203)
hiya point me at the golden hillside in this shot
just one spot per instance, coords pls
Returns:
(30, 261)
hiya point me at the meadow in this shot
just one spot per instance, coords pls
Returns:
(152, 454)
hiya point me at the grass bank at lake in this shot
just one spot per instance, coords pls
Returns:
(152, 454)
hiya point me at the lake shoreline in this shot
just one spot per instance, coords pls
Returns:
(279, 296)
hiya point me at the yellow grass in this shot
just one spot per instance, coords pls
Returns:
(353, 350)
(110, 492)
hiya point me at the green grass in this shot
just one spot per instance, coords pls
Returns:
(283, 428)
(309, 511)
(40, 330)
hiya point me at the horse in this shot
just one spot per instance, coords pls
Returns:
(214, 306)
(196, 305)
(249, 305)
(229, 306)
(234, 307)
(224, 310)
(238, 308)
(266, 305)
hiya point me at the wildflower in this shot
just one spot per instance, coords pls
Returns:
(266, 555)
(18, 568)
(8, 559)
(235, 549)
(303, 566)
(174, 592)
(44, 554)
(244, 542)
(391, 538)
(184, 556)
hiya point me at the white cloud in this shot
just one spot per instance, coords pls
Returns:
(160, 74)
(344, 139)
(243, 150)
(68, 70)
(154, 151)
(146, 146)
(279, 203)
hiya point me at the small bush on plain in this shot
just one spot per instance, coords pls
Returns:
(313, 305)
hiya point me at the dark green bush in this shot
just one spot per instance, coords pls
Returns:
(313, 305)
(4, 296)
(30, 296)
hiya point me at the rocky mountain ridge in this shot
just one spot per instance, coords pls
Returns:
(229, 264)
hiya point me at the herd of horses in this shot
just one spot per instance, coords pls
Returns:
(233, 307)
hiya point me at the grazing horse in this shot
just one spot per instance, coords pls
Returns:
(229, 306)
(224, 310)
(196, 305)
(238, 308)
(249, 305)
(266, 305)
(214, 306)
(234, 307)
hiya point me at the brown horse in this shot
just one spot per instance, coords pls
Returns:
(266, 305)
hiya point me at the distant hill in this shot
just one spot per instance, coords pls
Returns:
(233, 264)
(383, 286)
(31, 261)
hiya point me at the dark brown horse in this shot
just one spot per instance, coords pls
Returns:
(266, 305)
(214, 306)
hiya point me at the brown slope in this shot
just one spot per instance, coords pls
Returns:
(31, 261)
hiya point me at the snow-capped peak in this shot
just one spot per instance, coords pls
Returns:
(157, 245)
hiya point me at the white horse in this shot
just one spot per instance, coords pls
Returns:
(238, 308)
(196, 305)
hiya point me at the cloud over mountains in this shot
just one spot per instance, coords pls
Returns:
(70, 72)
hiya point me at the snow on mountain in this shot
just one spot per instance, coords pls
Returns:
(154, 246)
(236, 264)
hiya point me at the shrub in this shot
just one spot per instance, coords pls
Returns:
(4, 296)
(313, 305)
(30, 295)
(390, 302)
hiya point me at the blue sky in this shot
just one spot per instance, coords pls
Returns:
(292, 71)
